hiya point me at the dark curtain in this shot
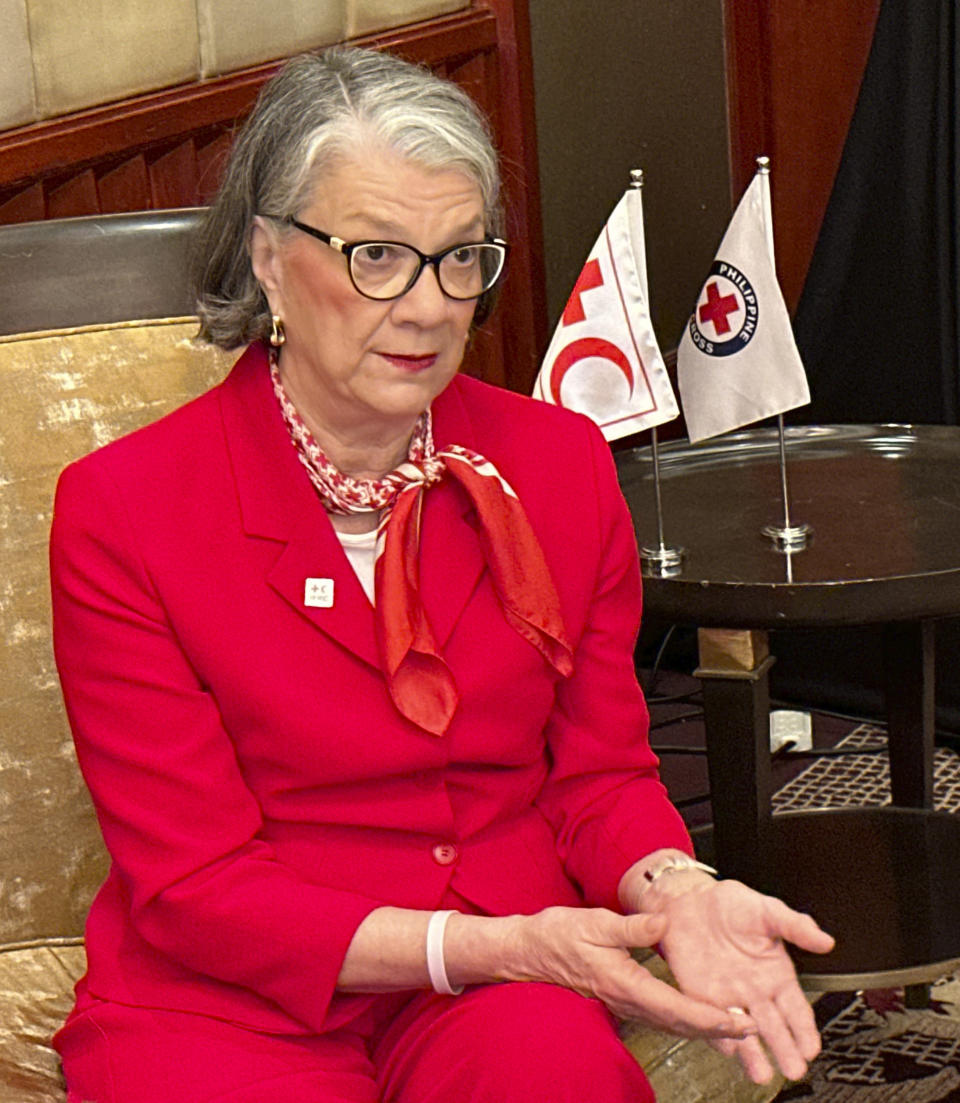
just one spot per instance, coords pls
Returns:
(877, 322)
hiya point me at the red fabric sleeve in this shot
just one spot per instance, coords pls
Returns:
(603, 795)
(178, 819)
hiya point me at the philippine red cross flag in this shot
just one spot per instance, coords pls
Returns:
(737, 361)
(603, 359)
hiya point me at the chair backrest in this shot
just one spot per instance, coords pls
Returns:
(105, 268)
(97, 371)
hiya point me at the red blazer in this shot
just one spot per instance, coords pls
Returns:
(257, 790)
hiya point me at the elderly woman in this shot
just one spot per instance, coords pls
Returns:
(346, 645)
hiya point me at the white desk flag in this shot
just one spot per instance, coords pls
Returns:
(603, 359)
(737, 361)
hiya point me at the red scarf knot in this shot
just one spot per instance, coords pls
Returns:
(420, 682)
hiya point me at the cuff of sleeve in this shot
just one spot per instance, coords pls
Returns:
(617, 851)
(313, 997)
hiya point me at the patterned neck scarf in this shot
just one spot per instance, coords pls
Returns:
(420, 682)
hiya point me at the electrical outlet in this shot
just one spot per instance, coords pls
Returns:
(790, 726)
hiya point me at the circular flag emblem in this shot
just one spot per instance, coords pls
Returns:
(726, 316)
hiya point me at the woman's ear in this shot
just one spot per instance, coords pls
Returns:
(265, 258)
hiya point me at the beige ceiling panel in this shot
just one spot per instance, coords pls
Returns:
(236, 33)
(17, 101)
(366, 16)
(87, 52)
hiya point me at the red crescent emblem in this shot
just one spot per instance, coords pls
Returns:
(581, 350)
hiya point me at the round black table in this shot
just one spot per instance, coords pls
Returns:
(884, 506)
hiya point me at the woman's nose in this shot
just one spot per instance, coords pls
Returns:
(425, 302)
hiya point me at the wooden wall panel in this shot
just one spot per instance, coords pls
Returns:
(794, 69)
(525, 333)
(74, 196)
(212, 153)
(125, 188)
(26, 204)
(173, 177)
(623, 86)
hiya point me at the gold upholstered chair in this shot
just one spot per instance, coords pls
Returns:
(95, 340)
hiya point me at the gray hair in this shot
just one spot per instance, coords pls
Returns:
(317, 109)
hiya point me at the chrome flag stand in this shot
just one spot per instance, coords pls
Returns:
(663, 560)
(788, 537)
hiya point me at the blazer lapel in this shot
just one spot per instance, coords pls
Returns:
(278, 502)
(314, 554)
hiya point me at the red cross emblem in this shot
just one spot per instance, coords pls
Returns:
(716, 309)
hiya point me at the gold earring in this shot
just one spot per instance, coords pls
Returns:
(277, 336)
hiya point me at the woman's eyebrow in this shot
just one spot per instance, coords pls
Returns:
(393, 231)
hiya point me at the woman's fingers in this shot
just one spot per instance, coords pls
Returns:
(802, 930)
(587, 950)
(641, 929)
(754, 1060)
(776, 1032)
(659, 1004)
(798, 1014)
(725, 1046)
(787, 1028)
(751, 1055)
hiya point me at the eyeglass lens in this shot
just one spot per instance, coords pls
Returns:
(384, 271)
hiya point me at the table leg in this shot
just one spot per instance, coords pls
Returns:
(908, 677)
(733, 670)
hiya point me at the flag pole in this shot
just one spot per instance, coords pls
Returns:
(662, 560)
(787, 537)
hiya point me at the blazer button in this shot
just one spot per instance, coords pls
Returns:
(445, 854)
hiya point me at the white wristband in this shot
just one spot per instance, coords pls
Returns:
(435, 965)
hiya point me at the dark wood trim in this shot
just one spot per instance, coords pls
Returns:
(518, 137)
(747, 47)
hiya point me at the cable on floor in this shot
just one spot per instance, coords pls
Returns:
(658, 659)
(694, 714)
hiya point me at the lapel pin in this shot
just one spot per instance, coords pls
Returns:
(318, 593)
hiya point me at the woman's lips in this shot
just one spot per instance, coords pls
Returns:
(411, 363)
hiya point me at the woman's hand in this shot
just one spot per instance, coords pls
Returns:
(587, 949)
(724, 943)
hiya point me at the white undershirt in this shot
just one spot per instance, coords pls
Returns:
(360, 549)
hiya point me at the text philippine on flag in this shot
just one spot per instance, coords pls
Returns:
(737, 361)
(603, 359)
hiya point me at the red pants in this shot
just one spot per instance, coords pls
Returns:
(498, 1044)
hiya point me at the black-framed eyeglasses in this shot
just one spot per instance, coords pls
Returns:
(385, 270)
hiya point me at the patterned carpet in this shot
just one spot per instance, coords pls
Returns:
(877, 1050)
(863, 779)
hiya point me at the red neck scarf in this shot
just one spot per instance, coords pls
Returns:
(420, 682)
